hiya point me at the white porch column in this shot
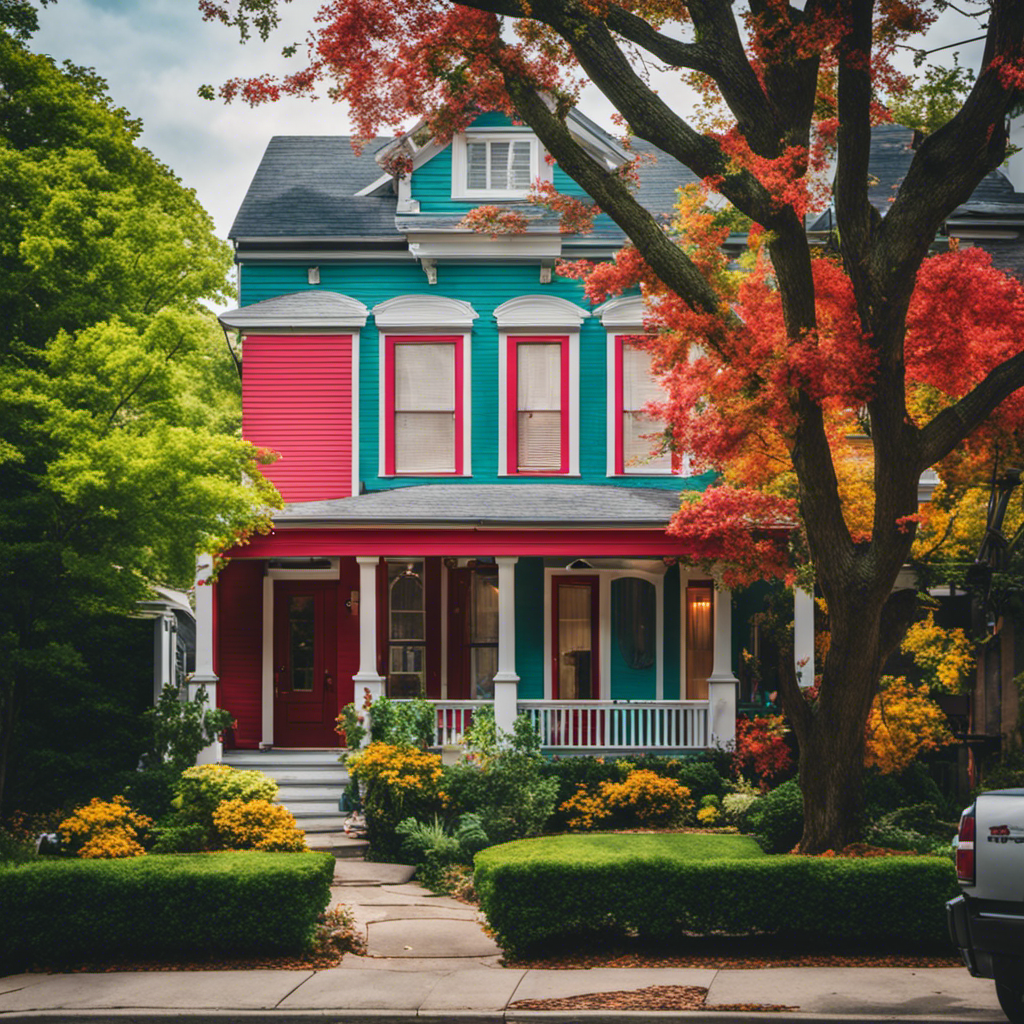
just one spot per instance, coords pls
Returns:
(367, 678)
(203, 675)
(506, 682)
(722, 683)
(803, 636)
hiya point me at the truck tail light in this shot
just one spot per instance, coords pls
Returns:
(965, 848)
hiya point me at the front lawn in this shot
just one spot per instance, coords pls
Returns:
(661, 886)
(617, 847)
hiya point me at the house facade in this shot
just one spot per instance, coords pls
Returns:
(476, 506)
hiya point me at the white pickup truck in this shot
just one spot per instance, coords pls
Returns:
(987, 920)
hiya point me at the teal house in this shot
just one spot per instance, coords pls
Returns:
(476, 507)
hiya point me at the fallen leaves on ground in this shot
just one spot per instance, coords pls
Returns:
(654, 997)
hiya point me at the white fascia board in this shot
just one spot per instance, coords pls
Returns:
(440, 245)
(323, 258)
(610, 150)
(383, 180)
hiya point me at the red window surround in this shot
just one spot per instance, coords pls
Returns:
(512, 402)
(388, 429)
(621, 341)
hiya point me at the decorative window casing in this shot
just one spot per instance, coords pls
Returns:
(495, 165)
(425, 386)
(632, 431)
(538, 385)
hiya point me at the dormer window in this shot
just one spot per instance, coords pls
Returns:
(494, 166)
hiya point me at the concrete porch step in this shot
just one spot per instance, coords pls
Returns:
(342, 846)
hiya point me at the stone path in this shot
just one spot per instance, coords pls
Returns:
(401, 920)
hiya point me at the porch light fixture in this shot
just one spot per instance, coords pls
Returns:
(580, 563)
(313, 275)
(410, 572)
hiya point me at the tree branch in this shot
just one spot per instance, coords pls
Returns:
(939, 437)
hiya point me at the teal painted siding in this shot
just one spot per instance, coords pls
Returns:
(530, 627)
(432, 186)
(672, 639)
(486, 287)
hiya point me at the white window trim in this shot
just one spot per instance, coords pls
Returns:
(384, 433)
(624, 316)
(539, 315)
(574, 398)
(605, 578)
(424, 315)
(539, 168)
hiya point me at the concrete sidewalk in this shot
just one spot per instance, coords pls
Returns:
(429, 957)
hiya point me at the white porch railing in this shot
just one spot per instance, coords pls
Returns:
(585, 725)
(580, 725)
(453, 718)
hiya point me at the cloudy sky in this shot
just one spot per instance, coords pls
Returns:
(156, 53)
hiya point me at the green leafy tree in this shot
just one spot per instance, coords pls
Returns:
(120, 455)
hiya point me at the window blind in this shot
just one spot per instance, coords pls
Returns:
(539, 413)
(424, 426)
(639, 387)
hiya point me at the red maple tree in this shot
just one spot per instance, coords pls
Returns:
(802, 340)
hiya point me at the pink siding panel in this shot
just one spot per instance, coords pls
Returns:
(240, 648)
(297, 400)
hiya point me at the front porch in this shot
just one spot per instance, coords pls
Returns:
(593, 627)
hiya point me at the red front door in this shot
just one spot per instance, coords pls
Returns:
(305, 663)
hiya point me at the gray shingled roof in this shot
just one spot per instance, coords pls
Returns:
(304, 187)
(494, 504)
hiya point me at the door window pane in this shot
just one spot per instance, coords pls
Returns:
(302, 641)
(575, 641)
(406, 630)
(699, 640)
(483, 631)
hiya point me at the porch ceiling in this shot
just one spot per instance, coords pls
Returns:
(492, 505)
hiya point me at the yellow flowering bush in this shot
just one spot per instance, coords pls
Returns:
(650, 798)
(104, 829)
(257, 825)
(396, 781)
(903, 723)
(642, 798)
(708, 816)
(585, 809)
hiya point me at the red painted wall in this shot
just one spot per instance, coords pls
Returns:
(297, 400)
(239, 664)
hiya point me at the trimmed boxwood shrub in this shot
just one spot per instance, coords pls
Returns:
(573, 887)
(162, 905)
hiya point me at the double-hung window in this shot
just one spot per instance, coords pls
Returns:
(423, 407)
(538, 405)
(636, 430)
(499, 166)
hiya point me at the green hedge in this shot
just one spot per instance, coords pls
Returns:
(162, 905)
(538, 890)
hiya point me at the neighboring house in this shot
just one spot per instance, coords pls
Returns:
(174, 637)
(473, 513)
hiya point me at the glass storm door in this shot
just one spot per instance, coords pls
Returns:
(574, 671)
(305, 664)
